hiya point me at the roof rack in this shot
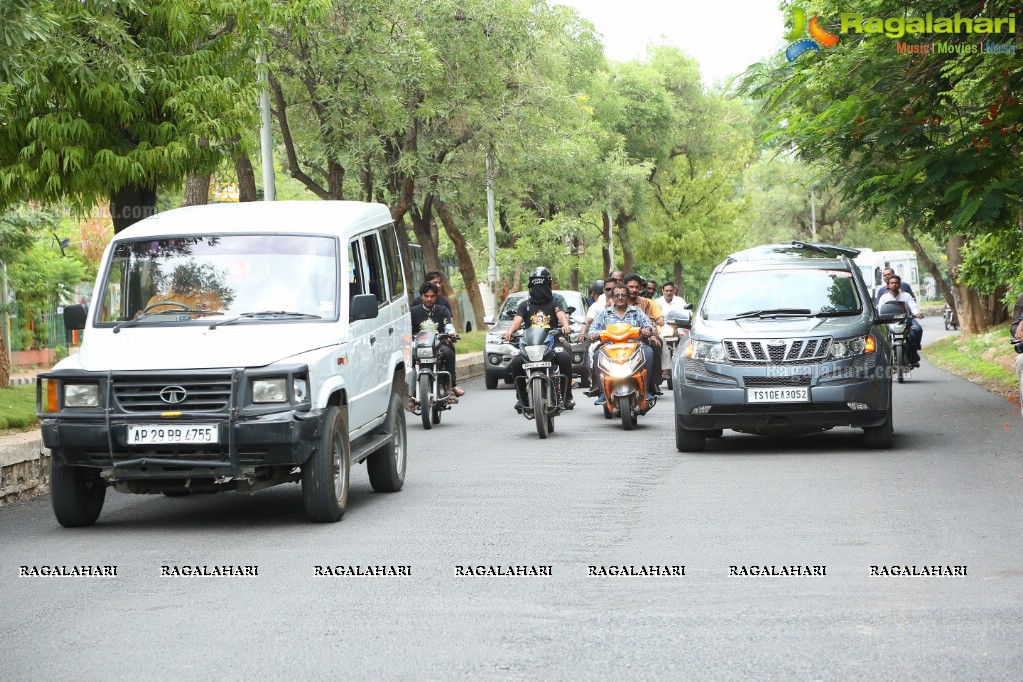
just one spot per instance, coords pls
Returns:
(793, 248)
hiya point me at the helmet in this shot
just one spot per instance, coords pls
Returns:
(597, 287)
(540, 277)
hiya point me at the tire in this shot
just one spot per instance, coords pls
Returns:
(550, 423)
(539, 407)
(436, 415)
(386, 466)
(584, 380)
(689, 441)
(326, 475)
(76, 493)
(425, 396)
(881, 437)
(628, 413)
(948, 325)
(900, 357)
(608, 412)
(491, 381)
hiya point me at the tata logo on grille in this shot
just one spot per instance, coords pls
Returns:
(172, 395)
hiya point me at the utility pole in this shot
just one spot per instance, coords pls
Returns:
(491, 233)
(813, 216)
(266, 133)
(5, 319)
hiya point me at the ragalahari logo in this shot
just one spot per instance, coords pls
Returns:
(818, 36)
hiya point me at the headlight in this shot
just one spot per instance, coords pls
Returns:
(844, 348)
(301, 389)
(617, 369)
(424, 352)
(495, 338)
(81, 395)
(535, 353)
(270, 390)
(668, 331)
(705, 350)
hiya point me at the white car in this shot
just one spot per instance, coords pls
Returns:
(235, 347)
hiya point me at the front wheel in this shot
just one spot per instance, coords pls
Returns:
(539, 407)
(325, 475)
(426, 400)
(900, 356)
(881, 437)
(689, 441)
(628, 408)
(386, 466)
(491, 381)
(948, 324)
(76, 493)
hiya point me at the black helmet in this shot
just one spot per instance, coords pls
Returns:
(597, 287)
(540, 277)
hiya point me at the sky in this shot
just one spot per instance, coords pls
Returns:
(724, 36)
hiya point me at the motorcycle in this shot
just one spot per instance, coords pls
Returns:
(545, 385)
(898, 335)
(951, 321)
(671, 335)
(623, 371)
(431, 384)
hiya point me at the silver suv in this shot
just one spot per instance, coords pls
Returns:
(785, 341)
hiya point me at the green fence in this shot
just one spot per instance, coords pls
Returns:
(21, 338)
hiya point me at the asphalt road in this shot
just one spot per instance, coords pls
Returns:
(483, 490)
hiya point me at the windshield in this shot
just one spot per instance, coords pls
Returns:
(203, 278)
(782, 293)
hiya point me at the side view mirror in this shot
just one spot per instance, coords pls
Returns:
(489, 319)
(688, 306)
(681, 318)
(364, 307)
(75, 316)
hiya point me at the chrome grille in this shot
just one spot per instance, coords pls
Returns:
(202, 393)
(757, 382)
(764, 351)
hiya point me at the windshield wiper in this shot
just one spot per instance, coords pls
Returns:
(837, 313)
(267, 314)
(135, 320)
(773, 312)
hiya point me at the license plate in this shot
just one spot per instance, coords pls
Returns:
(535, 365)
(777, 395)
(427, 361)
(160, 434)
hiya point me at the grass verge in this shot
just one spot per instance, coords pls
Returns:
(986, 359)
(18, 408)
(471, 342)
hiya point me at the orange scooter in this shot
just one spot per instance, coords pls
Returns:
(623, 372)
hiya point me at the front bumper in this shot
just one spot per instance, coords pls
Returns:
(858, 398)
(249, 436)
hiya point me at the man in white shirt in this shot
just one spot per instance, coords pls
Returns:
(669, 301)
(895, 294)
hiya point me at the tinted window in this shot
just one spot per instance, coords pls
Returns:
(393, 262)
(376, 282)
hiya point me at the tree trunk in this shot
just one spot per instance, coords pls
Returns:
(573, 274)
(622, 223)
(465, 265)
(976, 311)
(425, 230)
(197, 189)
(130, 204)
(246, 175)
(605, 248)
(677, 273)
(931, 266)
(5, 361)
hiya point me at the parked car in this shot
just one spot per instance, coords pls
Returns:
(235, 347)
(498, 355)
(785, 340)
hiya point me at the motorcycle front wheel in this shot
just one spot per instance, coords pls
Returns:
(628, 408)
(900, 357)
(539, 406)
(426, 400)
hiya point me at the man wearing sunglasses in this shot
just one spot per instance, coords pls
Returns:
(598, 306)
(621, 311)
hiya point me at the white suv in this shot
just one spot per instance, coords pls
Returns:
(235, 347)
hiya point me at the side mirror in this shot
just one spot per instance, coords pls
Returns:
(489, 319)
(681, 318)
(688, 306)
(75, 316)
(890, 313)
(364, 307)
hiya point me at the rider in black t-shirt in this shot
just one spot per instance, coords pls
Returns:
(540, 309)
(440, 316)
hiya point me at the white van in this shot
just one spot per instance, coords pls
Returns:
(235, 347)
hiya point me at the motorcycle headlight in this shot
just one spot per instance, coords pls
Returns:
(495, 338)
(81, 395)
(424, 352)
(705, 350)
(535, 353)
(270, 390)
(667, 331)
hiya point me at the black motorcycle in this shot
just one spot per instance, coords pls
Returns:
(432, 384)
(951, 321)
(545, 385)
(898, 335)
